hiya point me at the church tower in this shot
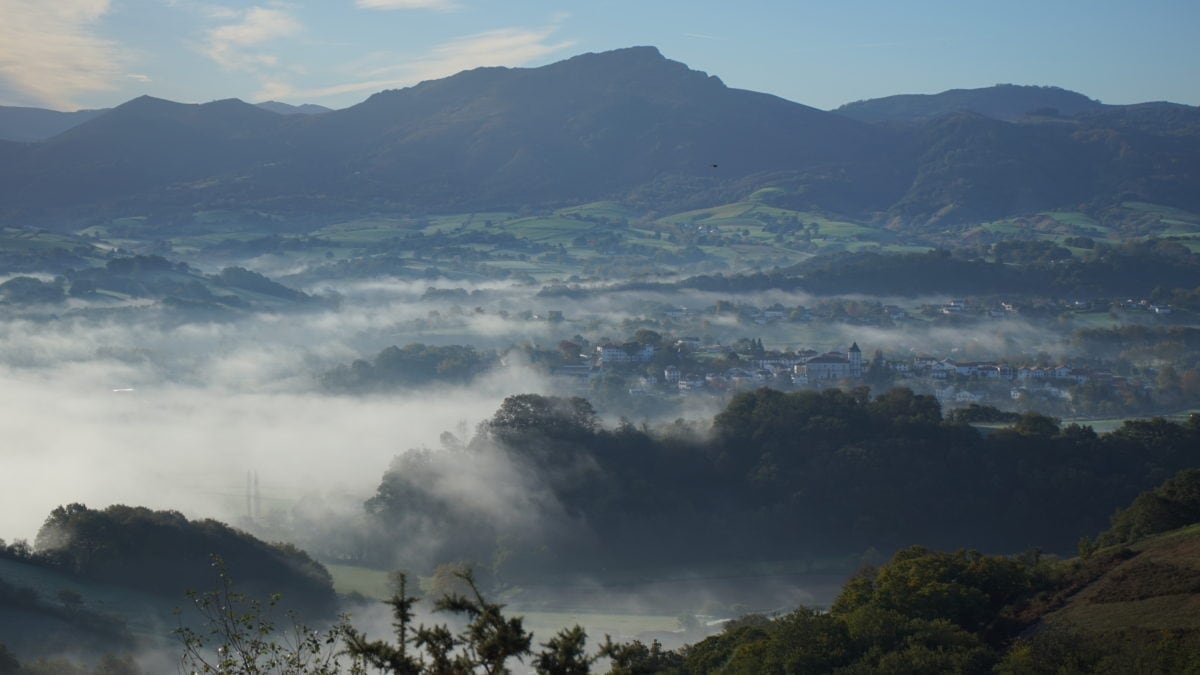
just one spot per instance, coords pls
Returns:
(854, 356)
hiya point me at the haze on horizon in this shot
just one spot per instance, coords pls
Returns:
(98, 53)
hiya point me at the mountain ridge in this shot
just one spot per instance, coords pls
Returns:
(32, 125)
(628, 125)
(1002, 101)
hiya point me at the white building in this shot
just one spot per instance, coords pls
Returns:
(833, 366)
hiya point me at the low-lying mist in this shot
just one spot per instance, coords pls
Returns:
(141, 408)
(147, 406)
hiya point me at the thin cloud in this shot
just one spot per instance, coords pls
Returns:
(504, 47)
(50, 52)
(702, 36)
(138, 77)
(236, 46)
(436, 5)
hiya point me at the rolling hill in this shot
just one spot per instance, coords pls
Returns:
(1003, 102)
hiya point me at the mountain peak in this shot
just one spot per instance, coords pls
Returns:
(636, 52)
(282, 108)
(625, 57)
(145, 100)
(631, 66)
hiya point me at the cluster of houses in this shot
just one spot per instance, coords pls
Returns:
(875, 314)
(945, 368)
(1146, 305)
(801, 368)
(953, 382)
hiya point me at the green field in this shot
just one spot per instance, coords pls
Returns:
(606, 210)
(595, 239)
(368, 582)
(619, 626)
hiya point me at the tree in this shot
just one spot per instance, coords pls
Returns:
(648, 338)
(1035, 424)
(485, 644)
(239, 637)
(383, 655)
(877, 372)
(635, 658)
(1173, 504)
(565, 654)
(548, 415)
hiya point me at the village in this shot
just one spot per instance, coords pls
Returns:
(686, 366)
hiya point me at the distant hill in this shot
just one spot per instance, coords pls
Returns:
(36, 124)
(627, 125)
(143, 146)
(175, 285)
(28, 125)
(288, 109)
(106, 580)
(1002, 102)
(165, 554)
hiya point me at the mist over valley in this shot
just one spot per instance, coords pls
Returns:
(742, 384)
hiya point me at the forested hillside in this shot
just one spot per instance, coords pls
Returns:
(779, 476)
(165, 554)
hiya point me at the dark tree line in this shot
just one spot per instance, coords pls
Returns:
(163, 552)
(780, 475)
(414, 364)
(1133, 269)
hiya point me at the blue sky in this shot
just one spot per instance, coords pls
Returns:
(68, 54)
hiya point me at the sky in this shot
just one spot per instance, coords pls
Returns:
(71, 54)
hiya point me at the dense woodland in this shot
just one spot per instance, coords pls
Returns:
(411, 365)
(778, 476)
(164, 553)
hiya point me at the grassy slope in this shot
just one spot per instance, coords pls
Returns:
(1158, 588)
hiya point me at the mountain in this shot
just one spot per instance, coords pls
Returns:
(1002, 102)
(592, 126)
(971, 168)
(288, 109)
(628, 125)
(37, 124)
(597, 125)
(141, 147)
